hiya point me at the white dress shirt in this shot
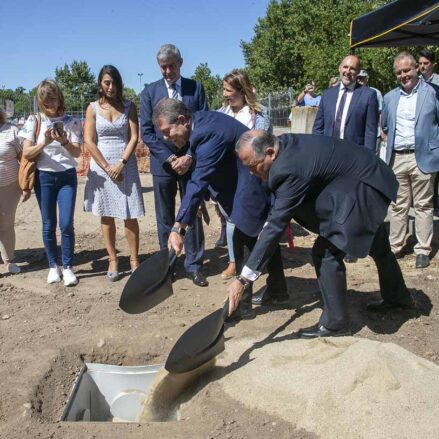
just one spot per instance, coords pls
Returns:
(405, 119)
(350, 92)
(177, 88)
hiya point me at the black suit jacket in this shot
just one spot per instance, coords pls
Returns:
(332, 187)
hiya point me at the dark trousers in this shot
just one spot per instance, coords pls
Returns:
(276, 283)
(331, 277)
(165, 191)
(52, 189)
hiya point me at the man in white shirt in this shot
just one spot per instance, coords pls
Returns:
(410, 119)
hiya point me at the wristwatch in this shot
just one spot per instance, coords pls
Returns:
(243, 281)
(123, 161)
(179, 230)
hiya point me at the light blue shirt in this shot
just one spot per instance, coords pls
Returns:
(405, 119)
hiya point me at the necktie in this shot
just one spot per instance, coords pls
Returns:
(174, 91)
(337, 124)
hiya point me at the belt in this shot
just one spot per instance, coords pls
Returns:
(404, 151)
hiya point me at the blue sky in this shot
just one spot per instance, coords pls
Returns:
(38, 36)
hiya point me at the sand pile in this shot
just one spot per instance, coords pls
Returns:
(338, 388)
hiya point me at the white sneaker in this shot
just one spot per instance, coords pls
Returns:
(54, 275)
(13, 268)
(69, 277)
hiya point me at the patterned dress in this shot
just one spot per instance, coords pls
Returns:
(102, 195)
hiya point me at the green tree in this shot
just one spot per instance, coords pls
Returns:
(131, 95)
(299, 40)
(212, 85)
(78, 84)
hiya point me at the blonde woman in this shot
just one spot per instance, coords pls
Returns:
(55, 149)
(240, 103)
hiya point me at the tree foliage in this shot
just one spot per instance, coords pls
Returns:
(212, 85)
(77, 82)
(298, 40)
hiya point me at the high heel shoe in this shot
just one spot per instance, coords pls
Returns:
(113, 276)
(134, 263)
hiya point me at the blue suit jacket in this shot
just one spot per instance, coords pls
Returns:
(193, 97)
(426, 125)
(217, 169)
(362, 119)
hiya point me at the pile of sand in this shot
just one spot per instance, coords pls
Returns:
(338, 388)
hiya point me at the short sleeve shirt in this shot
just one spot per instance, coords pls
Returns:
(10, 149)
(54, 157)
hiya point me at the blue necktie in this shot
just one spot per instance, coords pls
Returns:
(173, 87)
(337, 124)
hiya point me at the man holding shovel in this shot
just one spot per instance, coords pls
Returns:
(337, 190)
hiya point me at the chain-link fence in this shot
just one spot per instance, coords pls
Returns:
(278, 106)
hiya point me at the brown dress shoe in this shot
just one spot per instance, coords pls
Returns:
(229, 272)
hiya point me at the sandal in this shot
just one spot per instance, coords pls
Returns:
(113, 276)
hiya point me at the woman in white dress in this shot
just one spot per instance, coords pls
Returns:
(113, 186)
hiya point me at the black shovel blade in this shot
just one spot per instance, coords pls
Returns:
(149, 285)
(198, 344)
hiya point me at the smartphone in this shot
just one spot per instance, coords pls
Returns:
(58, 127)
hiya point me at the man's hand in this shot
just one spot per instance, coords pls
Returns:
(234, 294)
(181, 164)
(175, 242)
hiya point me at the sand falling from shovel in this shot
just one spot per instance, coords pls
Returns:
(165, 392)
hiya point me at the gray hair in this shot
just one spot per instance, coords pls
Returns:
(169, 110)
(168, 51)
(403, 55)
(259, 140)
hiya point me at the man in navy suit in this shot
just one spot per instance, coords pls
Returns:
(170, 166)
(240, 196)
(337, 190)
(349, 111)
(411, 122)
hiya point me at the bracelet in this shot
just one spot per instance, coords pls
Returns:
(244, 282)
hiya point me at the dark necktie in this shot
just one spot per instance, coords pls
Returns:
(337, 124)
(174, 91)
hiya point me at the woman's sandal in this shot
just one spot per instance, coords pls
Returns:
(113, 276)
(134, 262)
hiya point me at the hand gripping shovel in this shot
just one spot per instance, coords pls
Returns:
(150, 284)
(199, 344)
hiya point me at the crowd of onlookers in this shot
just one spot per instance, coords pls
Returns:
(402, 127)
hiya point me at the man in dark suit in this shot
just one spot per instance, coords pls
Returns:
(240, 196)
(349, 111)
(337, 190)
(170, 166)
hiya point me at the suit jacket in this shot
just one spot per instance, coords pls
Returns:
(245, 198)
(426, 125)
(361, 121)
(193, 97)
(330, 186)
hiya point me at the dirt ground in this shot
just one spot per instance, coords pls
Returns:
(47, 331)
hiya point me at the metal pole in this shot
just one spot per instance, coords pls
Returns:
(140, 81)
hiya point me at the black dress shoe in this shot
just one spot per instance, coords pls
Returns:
(198, 278)
(264, 298)
(422, 261)
(238, 315)
(350, 259)
(383, 306)
(321, 331)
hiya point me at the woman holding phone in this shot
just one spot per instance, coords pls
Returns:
(113, 186)
(55, 148)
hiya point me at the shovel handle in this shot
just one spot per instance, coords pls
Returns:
(226, 309)
(172, 257)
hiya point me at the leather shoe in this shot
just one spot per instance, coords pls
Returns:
(321, 331)
(198, 278)
(240, 315)
(383, 306)
(264, 298)
(350, 259)
(422, 261)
